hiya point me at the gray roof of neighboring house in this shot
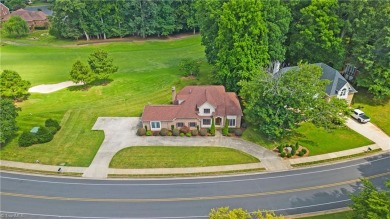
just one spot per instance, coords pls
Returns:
(337, 81)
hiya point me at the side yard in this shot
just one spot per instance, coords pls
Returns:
(379, 112)
(317, 140)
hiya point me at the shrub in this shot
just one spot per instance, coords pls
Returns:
(52, 130)
(283, 154)
(225, 129)
(52, 123)
(238, 132)
(181, 134)
(169, 133)
(197, 128)
(301, 153)
(280, 148)
(43, 135)
(296, 145)
(141, 132)
(212, 129)
(185, 129)
(156, 133)
(304, 151)
(244, 125)
(27, 139)
(148, 133)
(231, 130)
(172, 127)
(203, 132)
(164, 132)
(288, 155)
(146, 127)
(229, 135)
(194, 132)
(188, 134)
(293, 151)
(175, 132)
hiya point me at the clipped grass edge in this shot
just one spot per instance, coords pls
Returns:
(14, 169)
(337, 158)
(184, 174)
(319, 213)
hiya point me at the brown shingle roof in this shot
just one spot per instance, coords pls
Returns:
(28, 15)
(226, 103)
(4, 11)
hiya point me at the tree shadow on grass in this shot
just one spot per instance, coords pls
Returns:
(86, 87)
(365, 97)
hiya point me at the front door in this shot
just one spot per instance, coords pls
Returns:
(218, 121)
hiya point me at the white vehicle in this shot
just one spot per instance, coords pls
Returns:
(360, 116)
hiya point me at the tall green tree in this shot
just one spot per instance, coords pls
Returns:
(371, 203)
(241, 42)
(208, 15)
(81, 73)
(370, 47)
(8, 114)
(13, 86)
(277, 17)
(276, 104)
(67, 20)
(15, 27)
(102, 64)
(15, 4)
(316, 36)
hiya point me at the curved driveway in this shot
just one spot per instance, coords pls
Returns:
(120, 132)
(291, 192)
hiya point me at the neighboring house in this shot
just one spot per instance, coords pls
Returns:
(4, 11)
(33, 18)
(338, 86)
(195, 106)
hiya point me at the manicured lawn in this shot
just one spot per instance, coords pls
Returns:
(176, 156)
(379, 112)
(343, 215)
(147, 71)
(317, 140)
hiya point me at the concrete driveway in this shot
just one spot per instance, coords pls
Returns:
(120, 132)
(371, 132)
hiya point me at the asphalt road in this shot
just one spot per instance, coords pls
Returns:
(288, 192)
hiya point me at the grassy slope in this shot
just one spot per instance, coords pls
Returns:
(378, 112)
(168, 157)
(317, 140)
(146, 72)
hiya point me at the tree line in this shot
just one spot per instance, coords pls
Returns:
(104, 19)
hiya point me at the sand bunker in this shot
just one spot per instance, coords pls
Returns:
(49, 88)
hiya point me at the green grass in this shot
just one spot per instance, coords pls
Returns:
(173, 156)
(379, 112)
(317, 140)
(147, 70)
(343, 215)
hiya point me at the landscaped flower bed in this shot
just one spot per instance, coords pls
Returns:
(186, 132)
(292, 151)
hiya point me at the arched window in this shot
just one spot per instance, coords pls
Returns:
(343, 92)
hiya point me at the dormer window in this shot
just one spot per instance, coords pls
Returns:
(206, 111)
(343, 92)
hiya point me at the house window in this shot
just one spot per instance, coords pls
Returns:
(206, 111)
(232, 122)
(192, 124)
(179, 124)
(206, 121)
(343, 92)
(155, 125)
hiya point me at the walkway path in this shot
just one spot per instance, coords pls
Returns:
(121, 133)
(49, 88)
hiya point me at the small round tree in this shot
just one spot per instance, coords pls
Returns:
(15, 27)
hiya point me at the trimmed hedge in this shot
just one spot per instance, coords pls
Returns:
(175, 132)
(149, 133)
(52, 123)
(238, 132)
(27, 139)
(185, 129)
(194, 132)
(164, 132)
(203, 132)
(141, 132)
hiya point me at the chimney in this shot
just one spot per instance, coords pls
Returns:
(173, 95)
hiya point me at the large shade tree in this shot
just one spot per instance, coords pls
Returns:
(276, 104)
(241, 42)
(15, 27)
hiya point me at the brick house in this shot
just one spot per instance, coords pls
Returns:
(195, 106)
(4, 11)
(33, 18)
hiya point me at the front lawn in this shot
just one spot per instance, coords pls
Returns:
(147, 71)
(344, 215)
(176, 156)
(379, 112)
(317, 140)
